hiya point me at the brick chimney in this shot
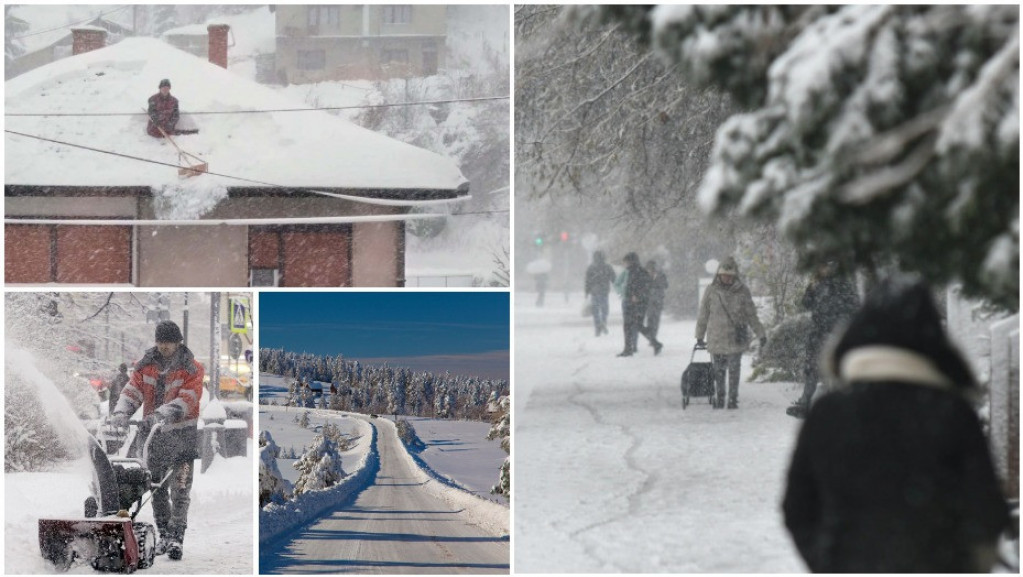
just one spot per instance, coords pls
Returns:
(218, 43)
(87, 39)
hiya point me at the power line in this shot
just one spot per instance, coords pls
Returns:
(68, 26)
(362, 199)
(222, 112)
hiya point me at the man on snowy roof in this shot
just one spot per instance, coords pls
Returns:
(163, 111)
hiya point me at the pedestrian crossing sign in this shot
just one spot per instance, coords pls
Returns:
(239, 314)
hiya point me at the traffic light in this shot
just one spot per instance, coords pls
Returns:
(538, 241)
(564, 236)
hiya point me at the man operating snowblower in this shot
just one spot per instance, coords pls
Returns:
(167, 384)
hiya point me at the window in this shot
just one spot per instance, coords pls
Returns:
(323, 16)
(429, 59)
(312, 59)
(398, 14)
(263, 277)
(394, 57)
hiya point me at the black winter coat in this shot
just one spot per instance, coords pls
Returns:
(599, 276)
(637, 290)
(892, 477)
(830, 300)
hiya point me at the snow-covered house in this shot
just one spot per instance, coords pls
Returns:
(44, 47)
(293, 197)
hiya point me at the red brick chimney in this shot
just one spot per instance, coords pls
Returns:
(218, 43)
(87, 39)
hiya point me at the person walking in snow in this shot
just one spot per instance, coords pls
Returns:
(599, 276)
(167, 384)
(891, 472)
(658, 286)
(726, 312)
(635, 297)
(163, 111)
(831, 298)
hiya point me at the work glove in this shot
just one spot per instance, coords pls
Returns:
(701, 343)
(154, 419)
(119, 420)
(763, 342)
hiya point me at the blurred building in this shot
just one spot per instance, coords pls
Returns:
(346, 42)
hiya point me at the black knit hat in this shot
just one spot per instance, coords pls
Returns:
(168, 332)
(164, 82)
(632, 258)
(900, 313)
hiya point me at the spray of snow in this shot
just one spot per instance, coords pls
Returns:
(59, 413)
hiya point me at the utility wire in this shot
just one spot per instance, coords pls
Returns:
(68, 26)
(363, 199)
(221, 112)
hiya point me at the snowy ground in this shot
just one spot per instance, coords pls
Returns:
(220, 522)
(633, 483)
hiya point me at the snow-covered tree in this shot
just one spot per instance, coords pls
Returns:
(871, 134)
(272, 486)
(408, 436)
(303, 420)
(14, 28)
(320, 466)
(501, 429)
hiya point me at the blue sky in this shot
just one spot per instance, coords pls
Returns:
(462, 332)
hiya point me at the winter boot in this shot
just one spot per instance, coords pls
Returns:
(174, 549)
(797, 410)
(733, 404)
(658, 345)
(625, 353)
(163, 543)
(717, 403)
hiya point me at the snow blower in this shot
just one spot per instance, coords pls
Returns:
(108, 537)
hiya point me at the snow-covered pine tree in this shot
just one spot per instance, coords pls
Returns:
(320, 466)
(873, 134)
(303, 420)
(272, 486)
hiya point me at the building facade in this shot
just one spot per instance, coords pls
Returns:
(347, 42)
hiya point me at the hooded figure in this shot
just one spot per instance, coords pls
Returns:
(726, 312)
(891, 472)
(599, 276)
(167, 384)
(635, 296)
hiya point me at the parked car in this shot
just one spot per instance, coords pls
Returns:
(232, 383)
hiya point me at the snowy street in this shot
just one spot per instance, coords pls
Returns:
(613, 476)
(395, 525)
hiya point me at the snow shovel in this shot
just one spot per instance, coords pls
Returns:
(191, 169)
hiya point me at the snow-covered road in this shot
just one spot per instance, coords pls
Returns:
(394, 526)
(611, 475)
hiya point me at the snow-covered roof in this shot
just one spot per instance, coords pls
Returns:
(294, 149)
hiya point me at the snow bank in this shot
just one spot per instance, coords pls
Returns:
(488, 515)
(275, 519)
